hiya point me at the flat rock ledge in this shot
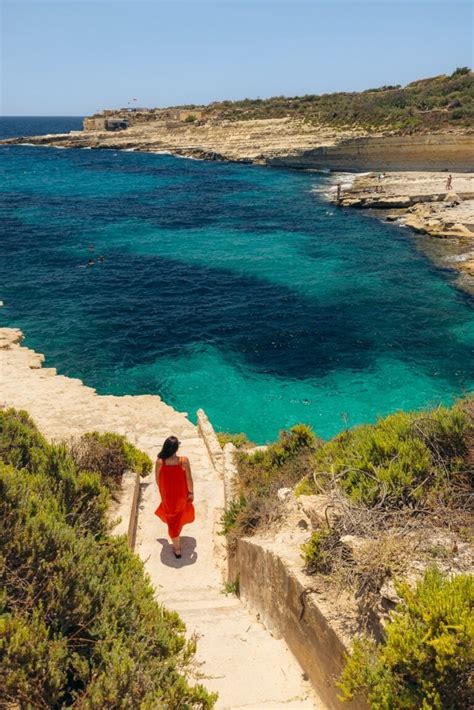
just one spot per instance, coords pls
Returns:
(422, 201)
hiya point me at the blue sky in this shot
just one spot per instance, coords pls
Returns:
(73, 57)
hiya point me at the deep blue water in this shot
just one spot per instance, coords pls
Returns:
(38, 125)
(229, 287)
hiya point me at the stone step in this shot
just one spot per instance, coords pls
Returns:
(237, 656)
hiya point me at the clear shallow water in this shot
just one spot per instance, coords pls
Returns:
(229, 287)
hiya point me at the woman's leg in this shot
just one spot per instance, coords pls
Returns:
(176, 544)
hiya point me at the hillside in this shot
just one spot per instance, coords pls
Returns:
(424, 105)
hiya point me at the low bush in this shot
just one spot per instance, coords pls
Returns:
(427, 658)
(398, 460)
(262, 473)
(80, 626)
(316, 552)
(232, 587)
(78, 494)
(230, 517)
(111, 455)
(240, 441)
(21, 444)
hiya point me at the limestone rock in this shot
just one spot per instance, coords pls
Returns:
(453, 198)
(319, 509)
(9, 337)
(284, 494)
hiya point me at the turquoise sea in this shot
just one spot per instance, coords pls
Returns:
(230, 287)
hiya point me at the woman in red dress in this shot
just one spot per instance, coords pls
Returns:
(175, 483)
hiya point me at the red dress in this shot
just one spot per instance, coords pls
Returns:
(175, 510)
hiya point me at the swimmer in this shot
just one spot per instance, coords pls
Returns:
(91, 262)
(101, 258)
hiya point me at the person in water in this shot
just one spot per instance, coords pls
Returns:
(175, 483)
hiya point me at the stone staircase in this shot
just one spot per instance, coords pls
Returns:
(237, 656)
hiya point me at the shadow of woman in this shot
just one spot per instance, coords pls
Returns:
(188, 552)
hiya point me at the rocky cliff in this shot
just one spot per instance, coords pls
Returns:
(285, 142)
(436, 151)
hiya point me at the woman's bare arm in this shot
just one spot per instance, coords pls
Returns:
(157, 469)
(189, 477)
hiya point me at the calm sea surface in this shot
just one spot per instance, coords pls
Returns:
(229, 287)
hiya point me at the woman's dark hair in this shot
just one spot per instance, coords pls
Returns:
(170, 447)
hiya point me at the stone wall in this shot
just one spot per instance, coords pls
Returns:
(435, 152)
(94, 124)
(208, 435)
(270, 586)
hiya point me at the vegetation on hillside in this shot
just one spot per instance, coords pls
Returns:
(430, 104)
(79, 623)
(400, 460)
(384, 496)
(240, 441)
(109, 454)
(262, 473)
(407, 460)
(426, 104)
(427, 659)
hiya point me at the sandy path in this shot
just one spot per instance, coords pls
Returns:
(237, 656)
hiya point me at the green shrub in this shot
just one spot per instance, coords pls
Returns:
(21, 444)
(34, 663)
(233, 587)
(79, 495)
(261, 473)
(109, 454)
(137, 460)
(79, 623)
(231, 515)
(427, 659)
(460, 71)
(282, 462)
(458, 113)
(304, 488)
(399, 459)
(239, 440)
(316, 553)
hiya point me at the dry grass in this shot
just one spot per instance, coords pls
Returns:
(368, 547)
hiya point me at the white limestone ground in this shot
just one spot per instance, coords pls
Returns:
(237, 656)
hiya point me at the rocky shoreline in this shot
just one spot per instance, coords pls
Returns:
(280, 142)
(253, 141)
(422, 201)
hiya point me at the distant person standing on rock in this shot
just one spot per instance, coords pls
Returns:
(175, 483)
(338, 191)
(449, 183)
